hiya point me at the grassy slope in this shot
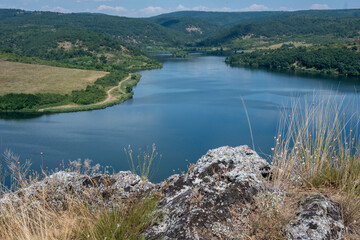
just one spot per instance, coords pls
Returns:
(32, 78)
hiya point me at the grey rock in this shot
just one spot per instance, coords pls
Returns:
(204, 203)
(197, 205)
(93, 189)
(316, 219)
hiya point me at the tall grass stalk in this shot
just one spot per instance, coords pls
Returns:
(142, 165)
(249, 123)
(318, 144)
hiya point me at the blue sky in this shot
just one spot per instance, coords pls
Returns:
(144, 8)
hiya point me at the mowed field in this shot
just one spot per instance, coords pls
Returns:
(32, 78)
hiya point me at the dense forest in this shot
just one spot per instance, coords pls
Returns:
(307, 28)
(230, 19)
(133, 31)
(343, 60)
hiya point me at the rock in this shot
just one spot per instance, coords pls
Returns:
(198, 205)
(214, 200)
(56, 188)
(316, 219)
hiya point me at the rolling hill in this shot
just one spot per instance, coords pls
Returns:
(132, 31)
(229, 19)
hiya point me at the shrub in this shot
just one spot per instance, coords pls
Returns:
(92, 94)
(18, 101)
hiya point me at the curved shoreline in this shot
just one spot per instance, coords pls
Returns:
(110, 100)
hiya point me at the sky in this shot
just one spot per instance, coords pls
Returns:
(145, 8)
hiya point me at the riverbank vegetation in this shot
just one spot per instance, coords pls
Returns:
(48, 95)
(340, 59)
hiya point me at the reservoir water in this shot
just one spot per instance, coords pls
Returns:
(185, 108)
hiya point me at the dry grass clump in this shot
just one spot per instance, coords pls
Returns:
(127, 222)
(266, 218)
(317, 148)
(270, 217)
(47, 212)
(37, 219)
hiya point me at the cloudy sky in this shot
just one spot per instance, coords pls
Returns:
(144, 8)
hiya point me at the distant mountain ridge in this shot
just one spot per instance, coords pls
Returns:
(228, 19)
(177, 29)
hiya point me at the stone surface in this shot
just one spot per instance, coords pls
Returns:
(95, 189)
(198, 205)
(211, 201)
(316, 219)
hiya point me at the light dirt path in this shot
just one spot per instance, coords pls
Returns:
(108, 99)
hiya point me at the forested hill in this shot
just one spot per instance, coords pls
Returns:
(228, 19)
(53, 39)
(133, 31)
(301, 28)
(194, 28)
(342, 59)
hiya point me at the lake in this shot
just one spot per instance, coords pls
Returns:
(185, 108)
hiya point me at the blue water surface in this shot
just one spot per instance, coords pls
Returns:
(187, 107)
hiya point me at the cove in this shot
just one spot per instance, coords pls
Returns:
(187, 107)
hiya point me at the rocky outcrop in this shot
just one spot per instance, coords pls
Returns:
(210, 201)
(200, 204)
(104, 189)
(316, 218)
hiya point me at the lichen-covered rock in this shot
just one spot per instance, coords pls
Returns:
(199, 204)
(316, 219)
(57, 188)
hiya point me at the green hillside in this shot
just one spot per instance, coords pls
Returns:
(309, 29)
(193, 27)
(228, 19)
(127, 30)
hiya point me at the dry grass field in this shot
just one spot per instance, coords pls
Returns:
(31, 78)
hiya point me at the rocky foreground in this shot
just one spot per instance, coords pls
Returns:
(215, 199)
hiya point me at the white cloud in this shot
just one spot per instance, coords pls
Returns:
(153, 11)
(256, 7)
(196, 8)
(180, 7)
(287, 9)
(110, 8)
(319, 6)
(55, 9)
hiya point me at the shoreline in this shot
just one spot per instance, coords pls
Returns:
(110, 100)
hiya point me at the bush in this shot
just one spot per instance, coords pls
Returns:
(92, 94)
(112, 79)
(18, 101)
(129, 222)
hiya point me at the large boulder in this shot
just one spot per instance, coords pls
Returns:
(200, 204)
